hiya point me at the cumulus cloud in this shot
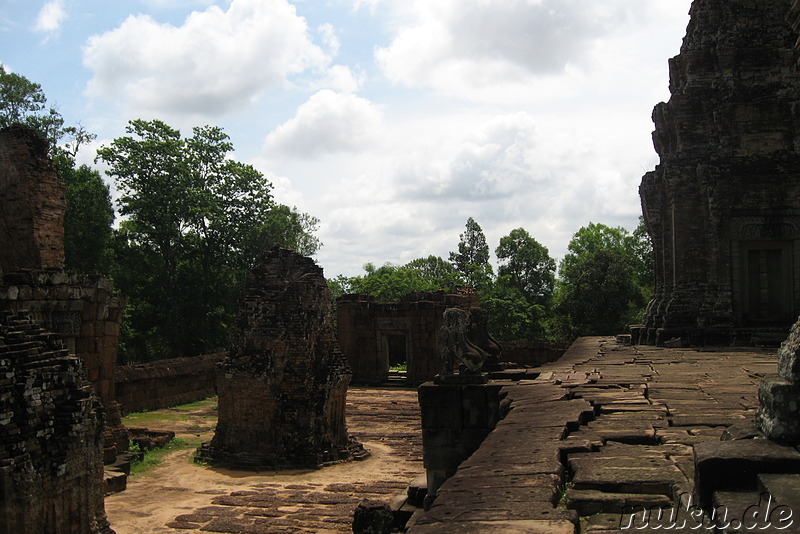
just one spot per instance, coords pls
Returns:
(217, 61)
(51, 16)
(328, 122)
(447, 44)
(495, 160)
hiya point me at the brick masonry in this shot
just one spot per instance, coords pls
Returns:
(165, 383)
(51, 435)
(283, 388)
(32, 210)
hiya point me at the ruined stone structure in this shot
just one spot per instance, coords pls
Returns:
(165, 383)
(723, 205)
(32, 209)
(282, 390)
(82, 309)
(51, 436)
(779, 395)
(374, 335)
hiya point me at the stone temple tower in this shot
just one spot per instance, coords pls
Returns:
(723, 205)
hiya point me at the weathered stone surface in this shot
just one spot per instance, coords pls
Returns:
(51, 436)
(590, 502)
(722, 205)
(283, 388)
(735, 465)
(523, 526)
(164, 383)
(778, 415)
(789, 355)
(32, 218)
(372, 517)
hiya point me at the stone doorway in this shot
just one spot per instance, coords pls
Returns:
(395, 350)
(766, 282)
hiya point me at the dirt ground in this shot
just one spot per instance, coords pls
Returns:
(181, 496)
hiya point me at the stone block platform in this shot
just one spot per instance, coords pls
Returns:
(607, 429)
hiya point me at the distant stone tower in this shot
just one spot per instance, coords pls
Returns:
(723, 205)
(282, 390)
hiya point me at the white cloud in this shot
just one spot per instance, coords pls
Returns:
(329, 122)
(341, 78)
(51, 16)
(216, 62)
(485, 48)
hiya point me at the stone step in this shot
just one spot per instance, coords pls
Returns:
(751, 511)
(590, 502)
(417, 491)
(784, 489)
(115, 480)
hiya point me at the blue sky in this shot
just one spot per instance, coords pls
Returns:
(392, 121)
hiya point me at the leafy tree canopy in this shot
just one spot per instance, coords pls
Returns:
(472, 258)
(195, 222)
(598, 293)
(527, 265)
(23, 102)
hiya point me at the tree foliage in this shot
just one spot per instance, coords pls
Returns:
(88, 221)
(194, 222)
(23, 102)
(472, 258)
(390, 282)
(598, 291)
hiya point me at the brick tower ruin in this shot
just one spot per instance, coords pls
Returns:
(283, 388)
(82, 308)
(51, 436)
(723, 205)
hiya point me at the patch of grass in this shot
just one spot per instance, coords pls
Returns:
(399, 367)
(154, 457)
(175, 413)
(197, 405)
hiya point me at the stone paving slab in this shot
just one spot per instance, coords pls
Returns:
(658, 402)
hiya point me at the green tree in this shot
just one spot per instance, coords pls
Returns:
(528, 266)
(512, 316)
(23, 102)
(194, 221)
(286, 227)
(519, 300)
(390, 282)
(88, 221)
(597, 292)
(472, 258)
(438, 273)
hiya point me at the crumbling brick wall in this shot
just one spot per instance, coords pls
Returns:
(367, 329)
(282, 390)
(32, 206)
(165, 383)
(51, 436)
(83, 309)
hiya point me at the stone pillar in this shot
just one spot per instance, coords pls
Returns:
(51, 436)
(283, 388)
(778, 415)
(456, 418)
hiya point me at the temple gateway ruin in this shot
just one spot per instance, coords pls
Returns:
(723, 205)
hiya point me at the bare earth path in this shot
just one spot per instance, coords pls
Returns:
(180, 496)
